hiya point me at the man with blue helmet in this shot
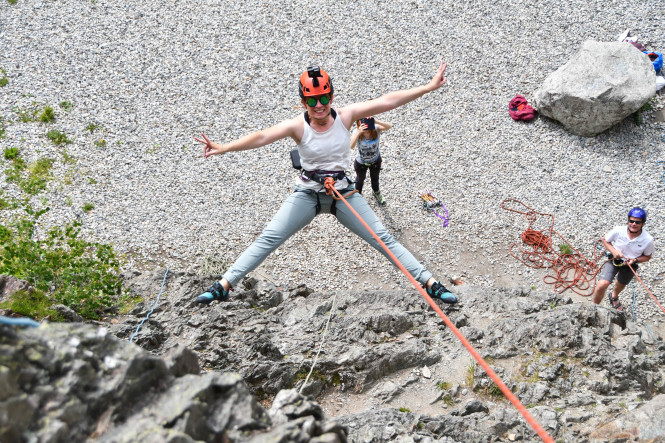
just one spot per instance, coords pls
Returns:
(629, 246)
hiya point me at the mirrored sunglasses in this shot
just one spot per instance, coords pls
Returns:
(324, 99)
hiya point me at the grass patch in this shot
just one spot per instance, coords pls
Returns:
(2, 127)
(47, 115)
(66, 106)
(39, 173)
(67, 158)
(100, 143)
(88, 207)
(444, 385)
(404, 410)
(91, 127)
(33, 304)
(469, 378)
(26, 115)
(638, 117)
(565, 249)
(57, 137)
(127, 303)
(3, 80)
(77, 273)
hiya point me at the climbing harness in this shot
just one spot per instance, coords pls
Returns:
(430, 202)
(153, 308)
(330, 187)
(570, 269)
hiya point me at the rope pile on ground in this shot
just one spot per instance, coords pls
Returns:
(568, 267)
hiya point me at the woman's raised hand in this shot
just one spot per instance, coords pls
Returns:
(439, 78)
(210, 148)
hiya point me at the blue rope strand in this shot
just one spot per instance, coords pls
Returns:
(23, 322)
(153, 308)
(635, 318)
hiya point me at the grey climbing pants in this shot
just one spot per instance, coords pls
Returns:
(299, 209)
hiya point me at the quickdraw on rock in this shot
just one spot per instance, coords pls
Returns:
(430, 202)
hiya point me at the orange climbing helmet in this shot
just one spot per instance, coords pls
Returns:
(314, 81)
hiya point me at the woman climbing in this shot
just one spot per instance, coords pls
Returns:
(322, 136)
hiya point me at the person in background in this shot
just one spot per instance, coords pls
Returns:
(366, 138)
(629, 245)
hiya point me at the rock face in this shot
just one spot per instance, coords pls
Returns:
(601, 84)
(68, 382)
(585, 372)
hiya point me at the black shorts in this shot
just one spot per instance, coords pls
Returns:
(623, 273)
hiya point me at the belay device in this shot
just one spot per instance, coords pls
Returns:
(430, 202)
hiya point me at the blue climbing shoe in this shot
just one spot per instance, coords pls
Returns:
(215, 292)
(437, 290)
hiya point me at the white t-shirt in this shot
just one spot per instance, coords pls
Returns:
(328, 151)
(640, 245)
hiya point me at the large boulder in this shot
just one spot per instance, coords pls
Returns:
(601, 84)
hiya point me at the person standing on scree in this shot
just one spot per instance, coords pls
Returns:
(369, 156)
(630, 244)
(323, 139)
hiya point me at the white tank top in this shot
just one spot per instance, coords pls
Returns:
(327, 151)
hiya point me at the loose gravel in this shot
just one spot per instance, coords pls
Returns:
(151, 75)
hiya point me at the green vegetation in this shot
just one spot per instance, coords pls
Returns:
(92, 181)
(565, 249)
(127, 303)
(404, 410)
(91, 127)
(71, 271)
(30, 179)
(88, 207)
(448, 400)
(443, 385)
(2, 127)
(67, 158)
(12, 2)
(47, 115)
(66, 106)
(62, 267)
(27, 115)
(100, 143)
(637, 115)
(57, 137)
(33, 304)
(470, 377)
(3, 80)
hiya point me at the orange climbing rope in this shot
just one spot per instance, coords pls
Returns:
(330, 187)
(568, 269)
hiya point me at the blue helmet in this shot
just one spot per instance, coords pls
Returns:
(638, 213)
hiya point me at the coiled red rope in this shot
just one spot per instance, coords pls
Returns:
(568, 267)
(329, 184)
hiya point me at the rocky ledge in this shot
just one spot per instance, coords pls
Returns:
(388, 370)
